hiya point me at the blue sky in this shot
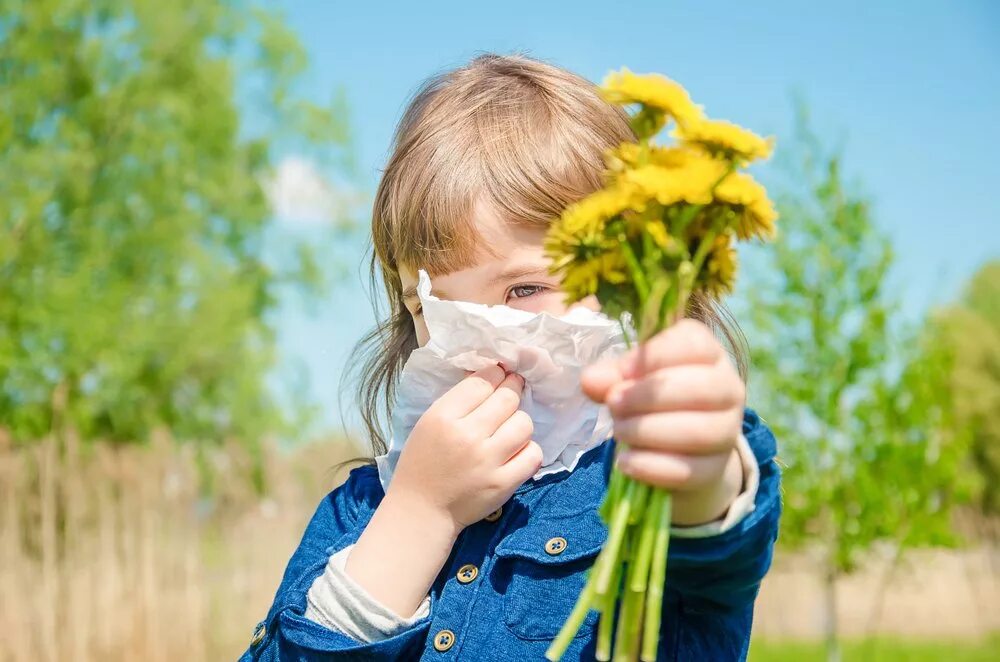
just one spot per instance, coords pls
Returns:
(910, 89)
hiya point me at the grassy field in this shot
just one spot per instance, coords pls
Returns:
(881, 650)
(115, 553)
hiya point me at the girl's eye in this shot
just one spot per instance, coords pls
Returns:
(522, 291)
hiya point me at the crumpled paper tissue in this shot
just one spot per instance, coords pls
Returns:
(549, 352)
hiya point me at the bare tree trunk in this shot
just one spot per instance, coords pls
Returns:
(878, 604)
(830, 628)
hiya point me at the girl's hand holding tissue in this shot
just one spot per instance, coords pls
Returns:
(677, 403)
(469, 451)
(463, 459)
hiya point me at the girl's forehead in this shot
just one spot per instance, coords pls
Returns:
(499, 234)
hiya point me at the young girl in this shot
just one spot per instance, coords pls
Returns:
(467, 555)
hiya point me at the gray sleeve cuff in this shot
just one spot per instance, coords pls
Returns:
(742, 506)
(337, 602)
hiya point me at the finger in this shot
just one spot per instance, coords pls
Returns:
(694, 387)
(511, 436)
(687, 341)
(499, 406)
(469, 393)
(674, 472)
(597, 379)
(522, 465)
(687, 432)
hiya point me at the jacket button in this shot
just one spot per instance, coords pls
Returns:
(495, 515)
(467, 573)
(258, 634)
(444, 640)
(555, 546)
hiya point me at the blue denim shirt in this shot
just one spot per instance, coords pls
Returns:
(522, 595)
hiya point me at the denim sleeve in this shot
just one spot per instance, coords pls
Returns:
(723, 573)
(285, 633)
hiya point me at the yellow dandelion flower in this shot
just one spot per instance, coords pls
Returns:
(676, 157)
(651, 90)
(755, 213)
(578, 244)
(582, 278)
(632, 155)
(589, 215)
(623, 156)
(719, 273)
(691, 183)
(725, 139)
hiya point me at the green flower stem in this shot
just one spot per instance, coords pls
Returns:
(639, 572)
(606, 626)
(638, 275)
(706, 243)
(606, 572)
(657, 578)
(628, 341)
(659, 293)
(633, 626)
(573, 623)
(689, 214)
(624, 644)
(669, 305)
(638, 507)
(615, 486)
(616, 536)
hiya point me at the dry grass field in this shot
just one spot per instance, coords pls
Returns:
(112, 554)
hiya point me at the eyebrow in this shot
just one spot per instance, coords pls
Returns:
(513, 273)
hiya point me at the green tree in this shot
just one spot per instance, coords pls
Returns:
(852, 397)
(970, 331)
(135, 287)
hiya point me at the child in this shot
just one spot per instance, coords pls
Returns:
(466, 555)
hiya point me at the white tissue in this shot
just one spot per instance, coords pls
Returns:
(549, 352)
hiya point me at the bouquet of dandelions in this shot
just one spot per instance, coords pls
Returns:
(662, 228)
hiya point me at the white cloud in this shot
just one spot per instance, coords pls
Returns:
(300, 194)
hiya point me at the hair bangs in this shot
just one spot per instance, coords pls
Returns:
(536, 157)
(426, 219)
(527, 142)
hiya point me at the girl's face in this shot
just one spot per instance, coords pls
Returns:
(518, 278)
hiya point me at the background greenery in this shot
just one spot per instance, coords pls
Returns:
(135, 285)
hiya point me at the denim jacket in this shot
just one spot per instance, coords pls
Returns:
(522, 594)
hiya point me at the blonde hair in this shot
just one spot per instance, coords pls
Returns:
(522, 135)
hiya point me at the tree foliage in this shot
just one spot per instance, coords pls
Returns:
(134, 139)
(856, 398)
(969, 331)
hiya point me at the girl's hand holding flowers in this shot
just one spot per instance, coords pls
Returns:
(678, 402)
(661, 231)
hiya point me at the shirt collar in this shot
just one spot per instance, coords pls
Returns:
(595, 461)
